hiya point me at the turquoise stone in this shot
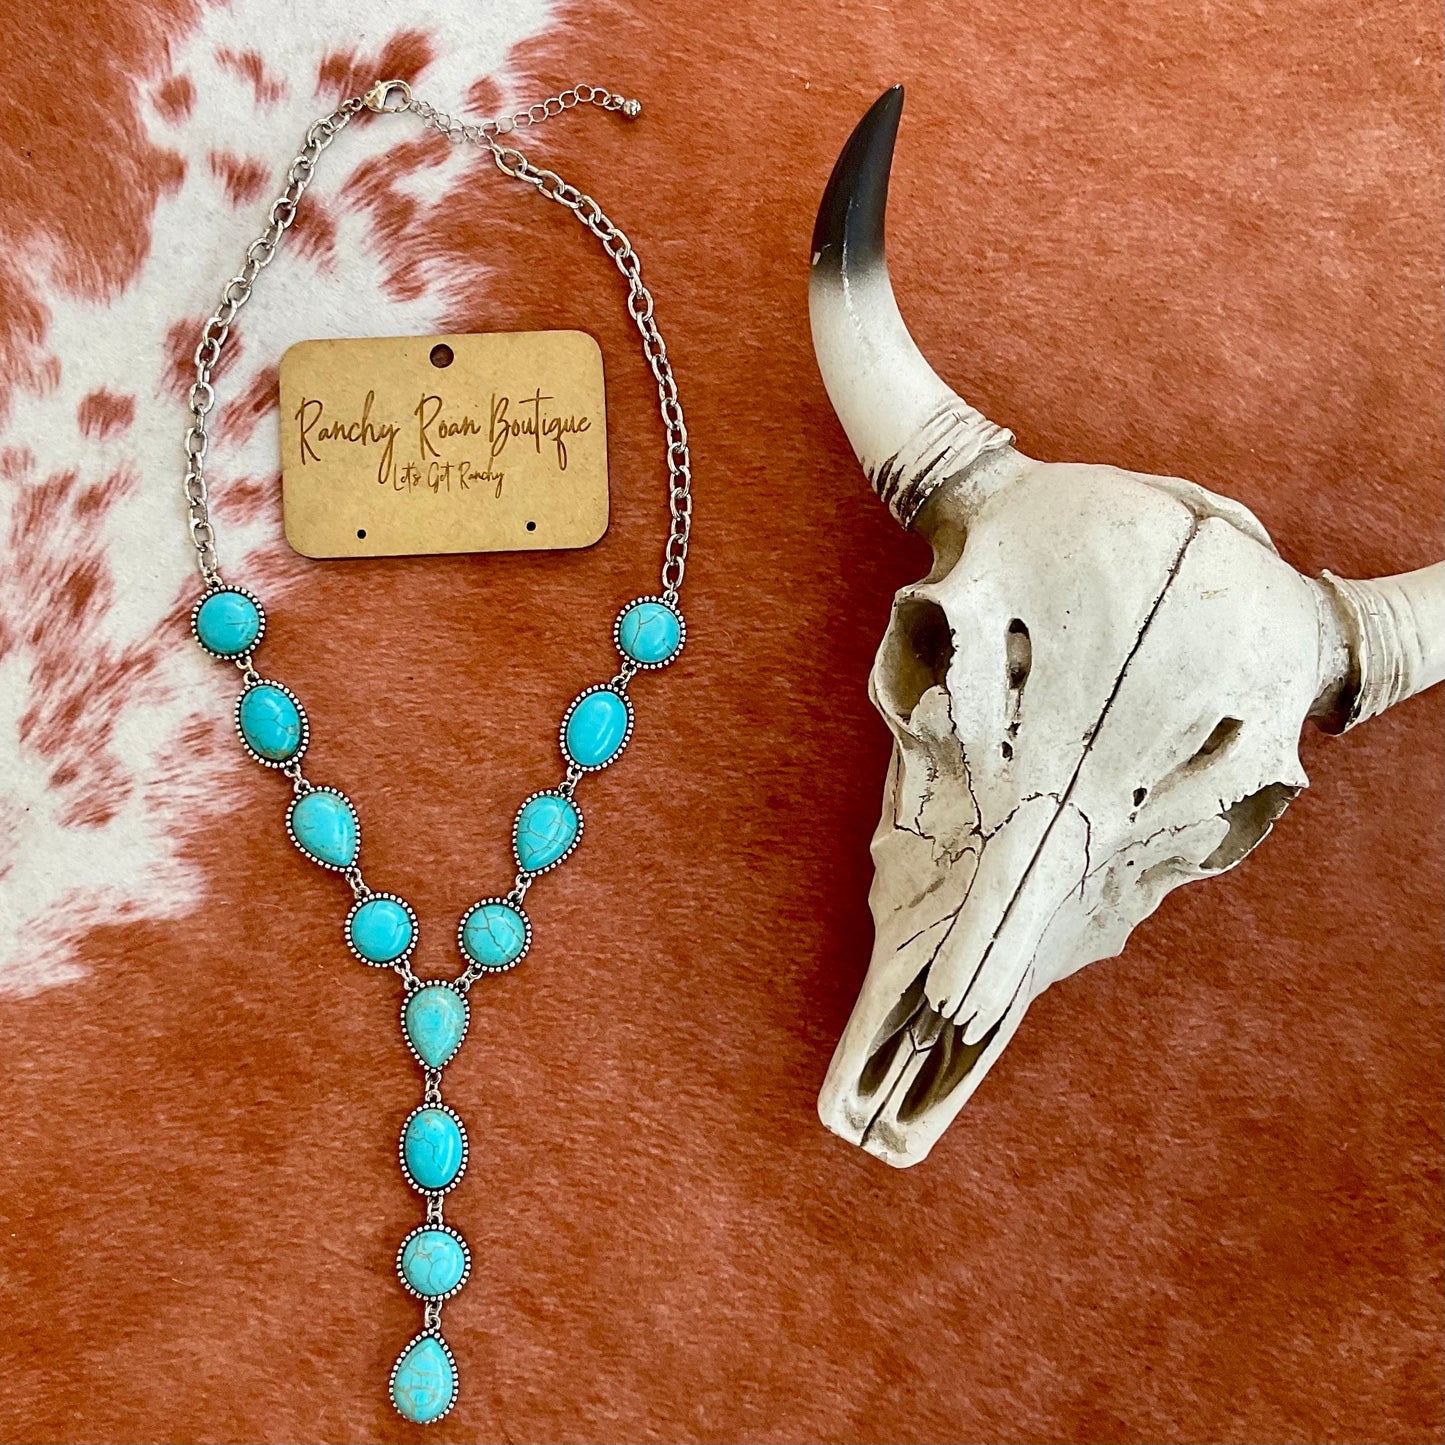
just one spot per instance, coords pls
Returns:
(325, 826)
(649, 633)
(228, 623)
(546, 829)
(270, 722)
(432, 1146)
(381, 930)
(494, 935)
(596, 728)
(424, 1383)
(433, 1262)
(435, 1020)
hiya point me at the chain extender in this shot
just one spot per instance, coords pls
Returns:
(393, 97)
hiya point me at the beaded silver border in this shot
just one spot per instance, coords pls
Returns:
(425, 984)
(306, 853)
(205, 597)
(572, 847)
(567, 717)
(426, 1228)
(401, 1147)
(507, 903)
(361, 903)
(300, 708)
(676, 651)
(406, 1349)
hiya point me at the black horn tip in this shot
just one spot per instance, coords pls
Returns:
(849, 228)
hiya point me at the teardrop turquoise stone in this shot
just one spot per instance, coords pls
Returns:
(649, 633)
(432, 1146)
(228, 623)
(270, 722)
(435, 1020)
(546, 828)
(433, 1262)
(380, 930)
(325, 826)
(424, 1384)
(596, 729)
(494, 935)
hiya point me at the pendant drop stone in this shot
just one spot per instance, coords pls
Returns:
(227, 623)
(433, 1149)
(649, 632)
(433, 1261)
(547, 829)
(424, 1380)
(323, 825)
(381, 929)
(435, 1020)
(271, 722)
(596, 728)
(495, 934)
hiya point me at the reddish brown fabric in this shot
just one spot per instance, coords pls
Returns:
(1198, 1199)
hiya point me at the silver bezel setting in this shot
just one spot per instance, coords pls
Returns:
(406, 1349)
(676, 651)
(371, 898)
(301, 710)
(306, 852)
(571, 848)
(567, 717)
(401, 1145)
(406, 1284)
(506, 903)
(206, 597)
(425, 984)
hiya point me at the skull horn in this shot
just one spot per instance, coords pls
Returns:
(1391, 643)
(911, 431)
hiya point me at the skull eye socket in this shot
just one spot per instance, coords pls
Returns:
(916, 655)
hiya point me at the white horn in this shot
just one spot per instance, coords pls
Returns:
(1392, 631)
(910, 430)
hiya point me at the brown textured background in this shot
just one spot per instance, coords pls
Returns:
(1200, 1196)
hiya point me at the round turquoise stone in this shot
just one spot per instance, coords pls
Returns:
(546, 831)
(649, 633)
(424, 1383)
(435, 1020)
(596, 728)
(381, 930)
(325, 828)
(494, 935)
(433, 1262)
(228, 623)
(433, 1148)
(270, 722)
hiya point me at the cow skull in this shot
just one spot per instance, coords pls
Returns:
(1095, 695)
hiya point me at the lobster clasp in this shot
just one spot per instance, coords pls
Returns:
(378, 98)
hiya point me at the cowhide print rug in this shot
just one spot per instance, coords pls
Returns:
(1198, 1200)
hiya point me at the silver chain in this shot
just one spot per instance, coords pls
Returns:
(390, 97)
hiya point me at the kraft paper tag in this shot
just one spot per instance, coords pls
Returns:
(400, 445)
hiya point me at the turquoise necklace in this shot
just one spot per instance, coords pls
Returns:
(433, 1261)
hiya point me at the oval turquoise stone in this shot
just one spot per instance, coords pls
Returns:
(325, 826)
(424, 1383)
(228, 623)
(381, 930)
(431, 1144)
(435, 1020)
(596, 728)
(433, 1262)
(649, 633)
(270, 722)
(494, 935)
(546, 828)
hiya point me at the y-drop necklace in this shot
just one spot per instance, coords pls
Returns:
(433, 1261)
